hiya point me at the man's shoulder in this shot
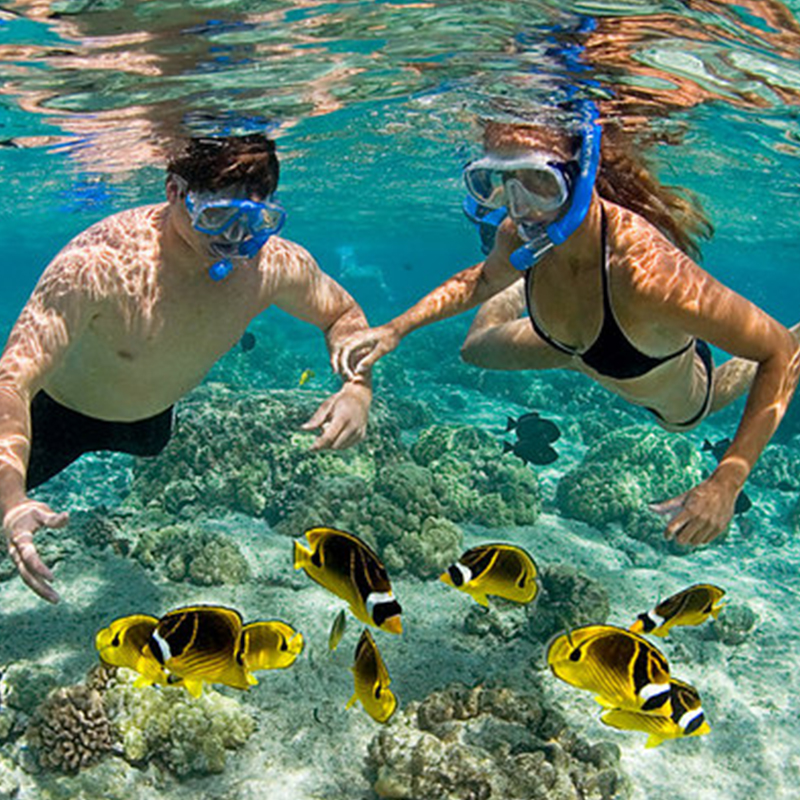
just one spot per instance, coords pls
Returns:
(129, 225)
(284, 255)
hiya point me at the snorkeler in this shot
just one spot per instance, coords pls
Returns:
(593, 248)
(134, 311)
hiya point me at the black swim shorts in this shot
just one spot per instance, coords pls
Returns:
(60, 435)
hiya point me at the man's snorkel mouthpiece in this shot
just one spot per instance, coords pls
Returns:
(247, 249)
(540, 239)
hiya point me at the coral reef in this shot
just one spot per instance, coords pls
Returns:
(624, 471)
(200, 557)
(187, 736)
(475, 743)
(778, 468)
(567, 600)
(70, 729)
(409, 510)
(243, 451)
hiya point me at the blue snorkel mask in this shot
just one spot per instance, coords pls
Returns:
(553, 186)
(240, 227)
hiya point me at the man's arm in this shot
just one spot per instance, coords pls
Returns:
(37, 343)
(306, 292)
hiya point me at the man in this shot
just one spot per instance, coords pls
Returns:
(132, 314)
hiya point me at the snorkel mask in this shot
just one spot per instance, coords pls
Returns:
(240, 227)
(535, 184)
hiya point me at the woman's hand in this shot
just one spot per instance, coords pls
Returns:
(359, 351)
(342, 418)
(700, 515)
(19, 525)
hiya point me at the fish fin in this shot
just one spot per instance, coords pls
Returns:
(606, 703)
(251, 679)
(194, 687)
(716, 609)
(507, 447)
(637, 627)
(510, 424)
(480, 599)
(352, 701)
(654, 740)
(141, 681)
(301, 555)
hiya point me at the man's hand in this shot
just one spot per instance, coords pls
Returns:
(342, 418)
(356, 354)
(19, 525)
(700, 515)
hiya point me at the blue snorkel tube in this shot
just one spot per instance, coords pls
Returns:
(560, 230)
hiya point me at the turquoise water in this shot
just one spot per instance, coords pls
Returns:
(373, 106)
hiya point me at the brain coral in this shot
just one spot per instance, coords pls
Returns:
(70, 729)
(624, 471)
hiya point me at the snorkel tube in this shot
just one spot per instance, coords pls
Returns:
(539, 239)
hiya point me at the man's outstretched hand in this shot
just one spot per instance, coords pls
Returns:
(19, 525)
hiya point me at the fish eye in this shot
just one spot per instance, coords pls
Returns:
(115, 642)
(284, 646)
(575, 655)
(378, 692)
(521, 582)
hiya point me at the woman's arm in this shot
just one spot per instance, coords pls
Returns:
(462, 292)
(687, 298)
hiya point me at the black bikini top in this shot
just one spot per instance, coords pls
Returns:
(611, 354)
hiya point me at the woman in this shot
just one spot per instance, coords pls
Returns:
(594, 248)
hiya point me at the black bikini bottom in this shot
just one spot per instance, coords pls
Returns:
(60, 435)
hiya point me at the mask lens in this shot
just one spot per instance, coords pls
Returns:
(215, 218)
(486, 186)
(546, 188)
(535, 182)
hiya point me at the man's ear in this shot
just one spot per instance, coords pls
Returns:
(176, 188)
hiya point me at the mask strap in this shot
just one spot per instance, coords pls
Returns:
(559, 231)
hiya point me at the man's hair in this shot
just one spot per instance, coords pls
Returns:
(211, 164)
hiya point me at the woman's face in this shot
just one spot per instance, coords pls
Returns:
(530, 172)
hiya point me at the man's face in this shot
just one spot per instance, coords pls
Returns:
(231, 222)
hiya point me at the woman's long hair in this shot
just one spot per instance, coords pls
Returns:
(625, 177)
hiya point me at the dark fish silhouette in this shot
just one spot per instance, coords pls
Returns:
(531, 427)
(247, 342)
(718, 449)
(531, 452)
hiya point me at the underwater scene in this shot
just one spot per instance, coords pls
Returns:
(497, 588)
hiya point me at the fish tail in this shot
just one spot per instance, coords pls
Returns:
(510, 424)
(301, 556)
